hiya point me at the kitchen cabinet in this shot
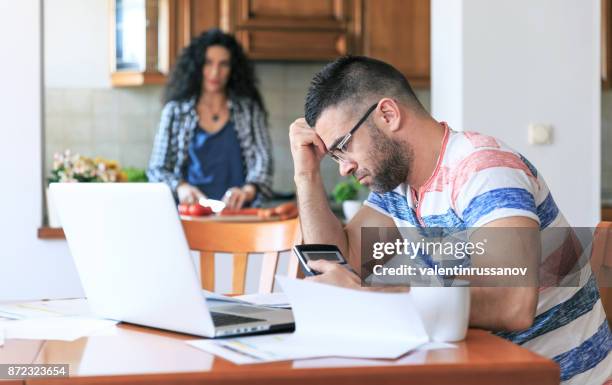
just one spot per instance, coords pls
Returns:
(295, 30)
(398, 32)
(192, 17)
(148, 35)
(146, 43)
(395, 31)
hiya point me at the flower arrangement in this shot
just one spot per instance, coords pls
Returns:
(73, 167)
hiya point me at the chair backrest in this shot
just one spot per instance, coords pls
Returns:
(601, 262)
(240, 239)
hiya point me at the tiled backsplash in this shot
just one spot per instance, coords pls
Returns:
(120, 123)
(112, 123)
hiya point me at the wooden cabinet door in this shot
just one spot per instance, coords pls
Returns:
(293, 30)
(313, 14)
(398, 32)
(194, 17)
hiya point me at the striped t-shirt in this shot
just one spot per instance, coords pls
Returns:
(478, 179)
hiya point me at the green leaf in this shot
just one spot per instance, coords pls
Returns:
(346, 190)
(135, 174)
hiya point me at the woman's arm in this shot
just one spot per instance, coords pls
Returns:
(164, 154)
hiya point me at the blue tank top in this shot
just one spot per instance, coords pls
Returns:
(215, 161)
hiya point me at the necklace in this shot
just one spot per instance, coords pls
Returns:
(215, 115)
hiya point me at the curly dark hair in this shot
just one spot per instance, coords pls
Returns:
(186, 77)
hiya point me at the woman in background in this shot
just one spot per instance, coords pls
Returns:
(213, 139)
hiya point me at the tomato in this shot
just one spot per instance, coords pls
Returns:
(198, 210)
(183, 209)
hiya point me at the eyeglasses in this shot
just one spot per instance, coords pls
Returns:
(339, 148)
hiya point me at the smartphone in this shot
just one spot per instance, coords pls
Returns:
(315, 252)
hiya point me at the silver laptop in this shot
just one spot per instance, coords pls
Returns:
(131, 254)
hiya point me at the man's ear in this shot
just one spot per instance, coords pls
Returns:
(390, 114)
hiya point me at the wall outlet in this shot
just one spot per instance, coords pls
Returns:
(538, 133)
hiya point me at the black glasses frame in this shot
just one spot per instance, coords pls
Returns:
(340, 148)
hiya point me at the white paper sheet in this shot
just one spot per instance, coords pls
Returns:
(243, 350)
(56, 328)
(237, 357)
(45, 309)
(260, 349)
(418, 356)
(269, 300)
(334, 321)
(209, 295)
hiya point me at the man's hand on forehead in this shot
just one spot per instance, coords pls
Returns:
(307, 147)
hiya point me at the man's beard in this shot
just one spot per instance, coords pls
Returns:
(393, 161)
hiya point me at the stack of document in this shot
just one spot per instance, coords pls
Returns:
(65, 320)
(277, 300)
(332, 321)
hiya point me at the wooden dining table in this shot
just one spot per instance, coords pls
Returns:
(140, 355)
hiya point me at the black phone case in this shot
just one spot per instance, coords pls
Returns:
(314, 247)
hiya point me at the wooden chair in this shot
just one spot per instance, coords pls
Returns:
(601, 262)
(240, 239)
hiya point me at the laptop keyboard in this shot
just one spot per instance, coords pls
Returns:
(224, 319)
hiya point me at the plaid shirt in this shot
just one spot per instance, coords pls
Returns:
(178, 123)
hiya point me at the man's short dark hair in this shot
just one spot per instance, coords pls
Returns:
(357, 81)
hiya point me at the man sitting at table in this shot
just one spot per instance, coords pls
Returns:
(424, 174)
